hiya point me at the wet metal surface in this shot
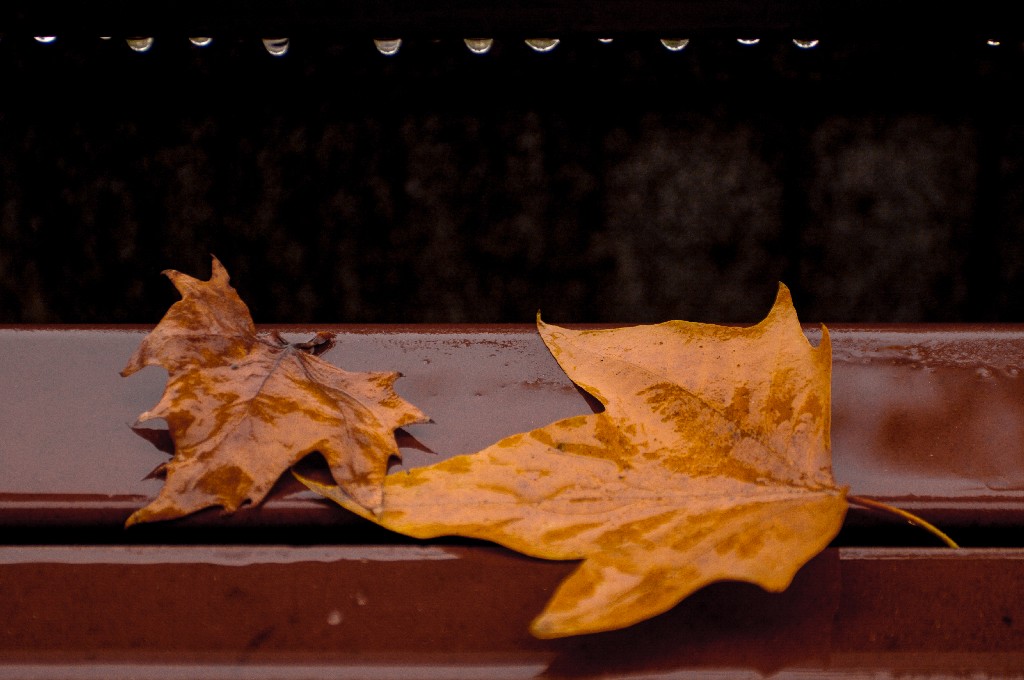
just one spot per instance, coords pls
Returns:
(929, 417)
(410, 612)
(924, 417)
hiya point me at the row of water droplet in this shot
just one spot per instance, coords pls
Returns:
(278, 47)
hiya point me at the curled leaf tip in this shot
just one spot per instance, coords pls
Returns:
(338, 495)
(540, 629)
(783, 295)
(218, 271)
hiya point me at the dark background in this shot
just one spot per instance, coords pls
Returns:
(882, 180)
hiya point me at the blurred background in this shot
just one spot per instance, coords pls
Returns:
(618, 182)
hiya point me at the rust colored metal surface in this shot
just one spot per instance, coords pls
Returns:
(382, 612)
(930, 418)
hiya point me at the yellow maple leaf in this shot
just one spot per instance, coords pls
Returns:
(710, 462)
(243, 407)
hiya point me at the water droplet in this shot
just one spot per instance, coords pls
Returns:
(388, 47)
(983, 372)
(45, 39)
(675, 45)
(542, 44)
(277, 47)
(748, 41)
(990, 43)
(361, 598)
(140, 44)
(479, 45)
(1013, 371)
(605, 40)
(334, 618)
(200, 42)
(805, 44)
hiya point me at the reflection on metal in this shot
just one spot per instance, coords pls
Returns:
(675, 45)
(542, 44)
(748, 41)
(479, 45)
(990, 43)
(805, 44)
(277, 47)
(200, 42)
(605, 40)
(388, 47)
(140, 44)
(45, 39)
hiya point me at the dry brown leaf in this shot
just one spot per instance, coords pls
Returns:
(711, 462)
(243, 407)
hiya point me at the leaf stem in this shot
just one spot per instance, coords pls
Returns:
(910, 517)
